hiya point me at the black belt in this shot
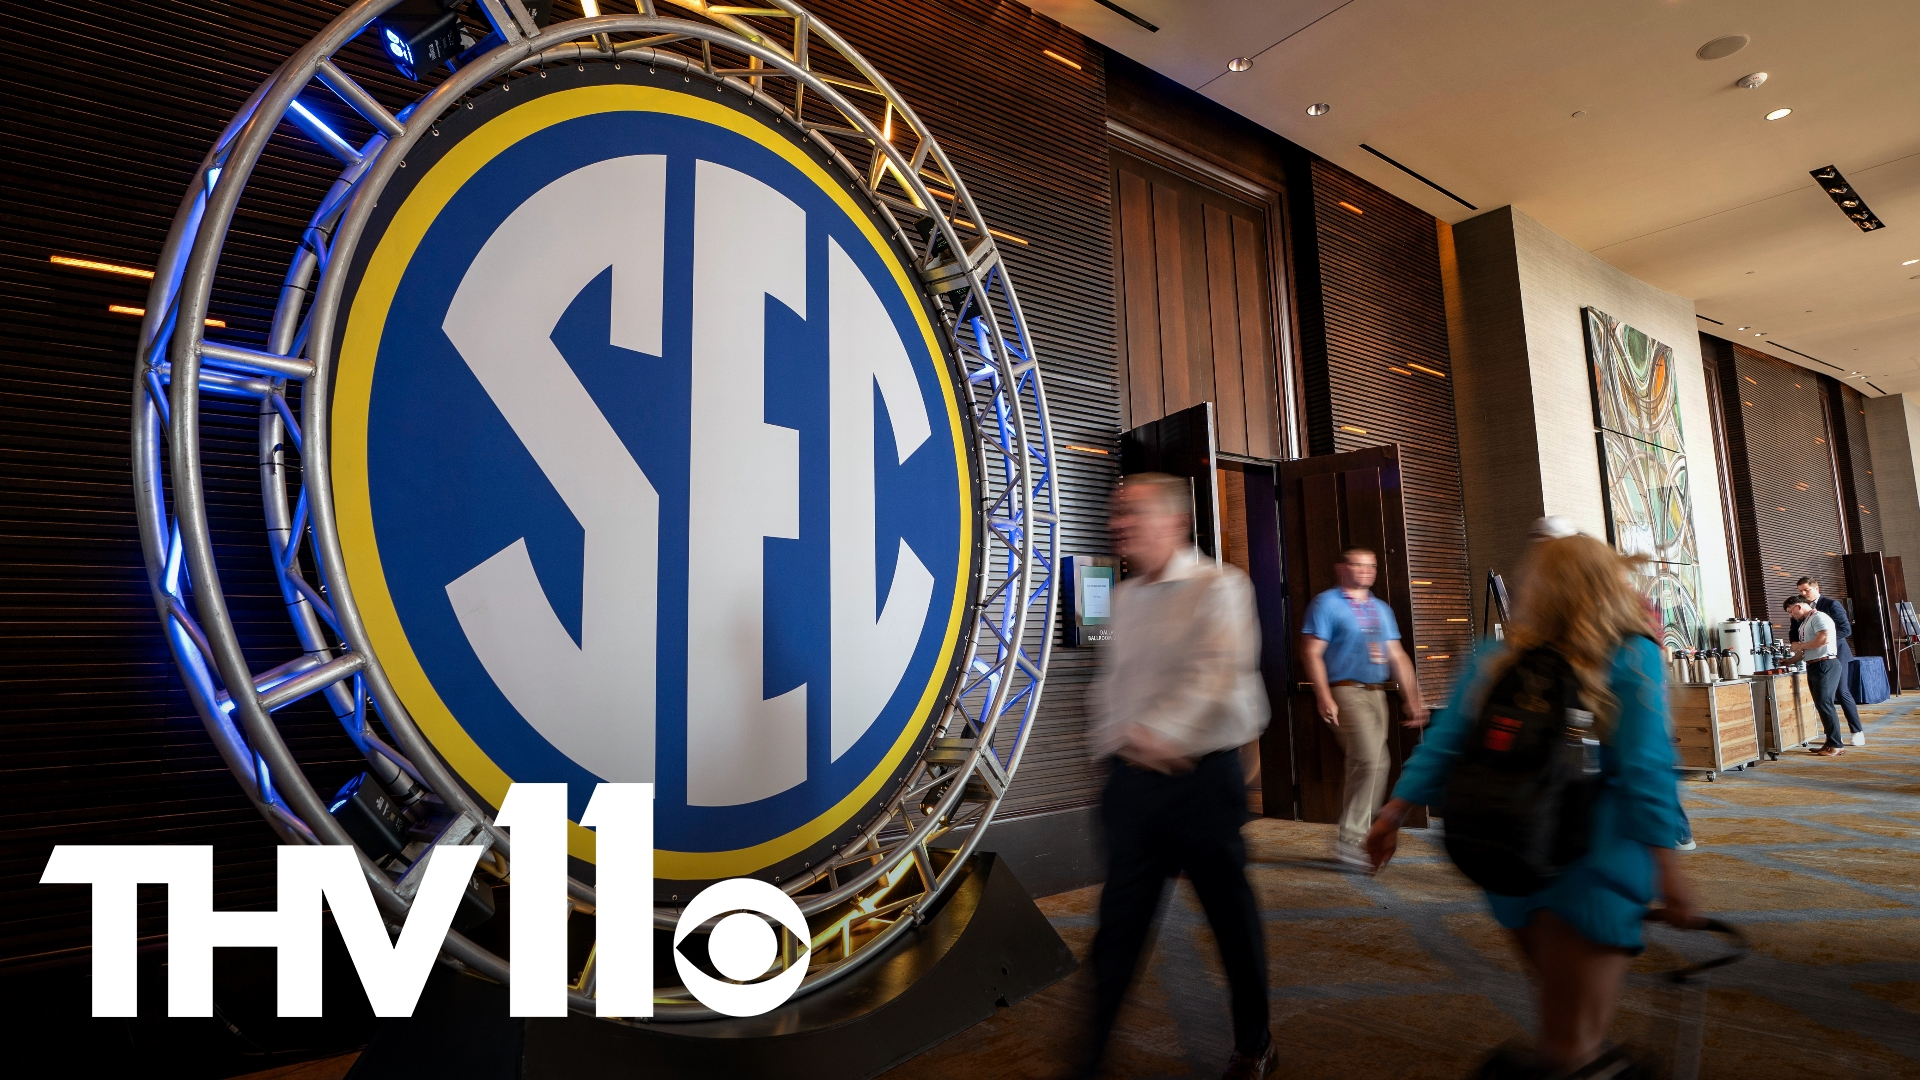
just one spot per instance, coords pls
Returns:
(1201, 760)
(1363, 685)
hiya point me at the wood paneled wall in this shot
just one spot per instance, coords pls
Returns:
(1195, 297)
(1784, 482)
(1859, 496)
(1375, 367)
(99, 744)
(1363, 298)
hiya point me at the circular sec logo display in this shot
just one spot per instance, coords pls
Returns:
(650, 466)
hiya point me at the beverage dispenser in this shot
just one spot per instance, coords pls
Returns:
(1736, 636)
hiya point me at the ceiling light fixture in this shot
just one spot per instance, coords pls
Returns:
(1240, 63)
(1910, 262)
(1779, 114)
(1743, 328)
(1752, 82)
(1848, 200)
(1721, 47)
(1319, 108)
(1128, 15)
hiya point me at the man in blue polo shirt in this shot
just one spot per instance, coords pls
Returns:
(1350, 647)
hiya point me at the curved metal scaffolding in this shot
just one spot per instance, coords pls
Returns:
(783, 59)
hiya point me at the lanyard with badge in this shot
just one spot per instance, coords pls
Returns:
(1367, 617)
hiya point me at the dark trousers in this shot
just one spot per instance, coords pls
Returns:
(1823, 681)
(1844, 693)
(1159, 826)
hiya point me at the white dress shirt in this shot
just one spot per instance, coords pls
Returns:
(1184, 661)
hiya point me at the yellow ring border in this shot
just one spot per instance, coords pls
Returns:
(353, 386)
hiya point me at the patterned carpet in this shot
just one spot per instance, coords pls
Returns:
(1405, 975)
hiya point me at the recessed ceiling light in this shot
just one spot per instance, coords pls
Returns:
(1762, 333)
(1319, 108)
(1722, 47)
(1779, 114)
(1743, 328)
(1240, 63)
(1910, 262)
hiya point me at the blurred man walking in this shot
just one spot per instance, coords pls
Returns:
(1178, 695)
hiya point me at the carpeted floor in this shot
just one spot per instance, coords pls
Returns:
(1405, 974)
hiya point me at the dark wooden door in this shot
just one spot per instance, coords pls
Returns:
(1873, 614)
(1195, 297)
(1185, 445)
(1329, 503)
(1250, 540)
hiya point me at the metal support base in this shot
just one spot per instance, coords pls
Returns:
(987, 946)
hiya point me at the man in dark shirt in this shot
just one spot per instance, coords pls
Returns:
(1843, 629)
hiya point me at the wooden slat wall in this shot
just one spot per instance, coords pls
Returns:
(1195, 299)
(1783, 478)
(1848, 407)
(98, 744)
(1374, 357)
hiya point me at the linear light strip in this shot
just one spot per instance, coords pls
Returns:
(140, 312)
(105, 267)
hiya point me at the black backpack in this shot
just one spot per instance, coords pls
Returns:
(1520, 800)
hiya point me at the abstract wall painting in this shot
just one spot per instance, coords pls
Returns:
(1643, 468)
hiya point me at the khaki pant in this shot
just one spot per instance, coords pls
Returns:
(1363, 738)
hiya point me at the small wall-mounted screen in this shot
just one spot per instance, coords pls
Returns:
(1087, 614)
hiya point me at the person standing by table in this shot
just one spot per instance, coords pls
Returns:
(1814, 641)
(1809, 589)
(1350, 647)
(1179, 693)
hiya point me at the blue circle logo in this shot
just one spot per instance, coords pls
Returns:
(651, 466)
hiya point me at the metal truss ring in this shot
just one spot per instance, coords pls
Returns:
(878, 884)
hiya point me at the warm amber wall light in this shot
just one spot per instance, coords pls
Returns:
(1351, 207)
(122, 309)
(106, 267)
(1051, 55)
(1425, 368)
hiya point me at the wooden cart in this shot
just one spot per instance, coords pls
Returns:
(1786, 717)
(1713, 726)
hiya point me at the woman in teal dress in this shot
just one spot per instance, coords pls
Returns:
(1581, 932)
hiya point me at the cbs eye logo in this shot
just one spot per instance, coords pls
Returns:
(742, 946)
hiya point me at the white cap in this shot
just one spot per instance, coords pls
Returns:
(1553, 527)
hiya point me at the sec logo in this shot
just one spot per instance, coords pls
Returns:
(651, 467)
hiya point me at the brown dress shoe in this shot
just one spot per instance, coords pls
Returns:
(1242, 1067)
(1828, 751)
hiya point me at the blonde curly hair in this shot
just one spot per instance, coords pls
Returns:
(1577, 596)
